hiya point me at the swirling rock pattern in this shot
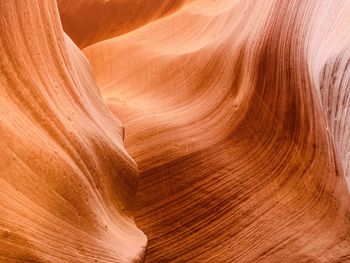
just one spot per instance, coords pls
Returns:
(67, 183)
(236, 113)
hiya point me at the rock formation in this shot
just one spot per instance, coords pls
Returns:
(235, 117)
(67, 182)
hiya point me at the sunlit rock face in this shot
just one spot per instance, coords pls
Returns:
(174, 131)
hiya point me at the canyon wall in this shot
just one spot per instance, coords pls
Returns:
(175, 131)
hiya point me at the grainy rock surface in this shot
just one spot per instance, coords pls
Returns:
(221, 127)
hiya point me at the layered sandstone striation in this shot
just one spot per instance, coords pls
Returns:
(67, 182)
(237, 114)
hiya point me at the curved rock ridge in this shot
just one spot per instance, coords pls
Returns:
(88, 22)
(237, 113)
(67, 182)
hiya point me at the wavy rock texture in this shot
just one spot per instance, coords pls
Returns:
(67, 181)
(236, 113)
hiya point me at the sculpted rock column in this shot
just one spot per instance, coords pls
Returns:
(67, 183)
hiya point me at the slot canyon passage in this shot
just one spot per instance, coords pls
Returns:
(174, 131)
